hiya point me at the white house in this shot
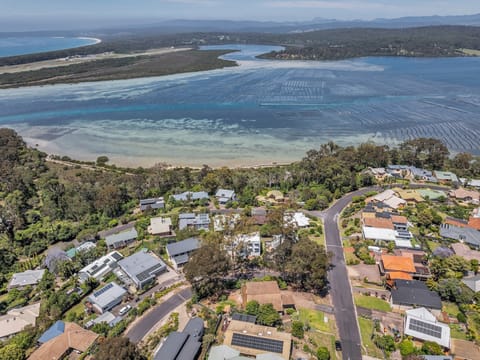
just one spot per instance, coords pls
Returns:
(247, 245)
(422, 324)
(100, 267)
(223, 196)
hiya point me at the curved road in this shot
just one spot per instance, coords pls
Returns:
(340, 289)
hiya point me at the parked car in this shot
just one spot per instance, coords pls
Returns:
(338, 345)
(124, 310)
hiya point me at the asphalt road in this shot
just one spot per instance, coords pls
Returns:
(146, 323)
(340, 289)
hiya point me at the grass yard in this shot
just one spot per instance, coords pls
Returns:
(315, 319)
(320, 240)
(450, 308)
(366, 330)
(324, 340)
(457, 333)
(77, 309)
(371, 302)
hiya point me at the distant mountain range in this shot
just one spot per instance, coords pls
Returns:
(177, 26)
(231, 26)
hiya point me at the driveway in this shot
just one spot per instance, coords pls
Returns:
(143, 325)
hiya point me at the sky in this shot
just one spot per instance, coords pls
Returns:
(26, 15)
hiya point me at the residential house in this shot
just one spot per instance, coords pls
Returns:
(224, 196)
(54, 257)
(446, 177)
(142, 268)
(197, 222)
(100, 267)
(86, 246)
(106, 298)
(380, 174)
(473, 282)
(61, 339)
(246, 245)
(297, 219)
(399, 171)
(17, 319)
(225, 222)
(422, 175)
(474, 183)
(389, 199)
(107, 317)
(26, 278)
(191, 196)
(121, 239)
(474, 220)
(421, 324)
(152, 203)
(401, 238)
(466, 196)
(117, 229)
(422, 272)
(179, 252)
(259, 215)
(463, 234)
(266, 292)
(253, 340)
(464, 251)
(183, 345)
(160, 226)
(396, 267)
(414, 293)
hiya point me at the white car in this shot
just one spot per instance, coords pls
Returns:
(124, 310)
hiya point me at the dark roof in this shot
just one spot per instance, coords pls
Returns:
(244, 317)
(183, 246)
(194, 327)
(171, 346)
(190, 350)
(443, 252)
(415, 293)
(55, 330)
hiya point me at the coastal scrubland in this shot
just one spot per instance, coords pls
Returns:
(120, 68)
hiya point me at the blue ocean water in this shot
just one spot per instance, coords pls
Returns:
(257, 113)
(10, 46)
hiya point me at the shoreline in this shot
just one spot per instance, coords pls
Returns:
(96, 40)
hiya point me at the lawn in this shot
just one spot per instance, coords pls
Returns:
(315, 319)
(366, 330)
(371, 302)
(457, 333)
(432, 244)
(77, 309)
(450, 308)
(324, 340)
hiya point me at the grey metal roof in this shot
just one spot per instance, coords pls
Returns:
(411, 293)
(141, 266)
(472, 282)
(107, 294)
(123, 236)
(172, 346)
(151, 201)
(182, 247)
(223, 193)
(467, 235)
(189, 195)
(29, 277)
(190, 350)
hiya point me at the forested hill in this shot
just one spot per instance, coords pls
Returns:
(43, 202)
(432, 41)
(319, 45)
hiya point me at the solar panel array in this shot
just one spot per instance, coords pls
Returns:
(426, 328)
(148, 273)
(245, 318)
(102, 290)
(257, 343)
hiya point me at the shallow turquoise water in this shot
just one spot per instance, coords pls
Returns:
(11, 46)
(260, 112)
